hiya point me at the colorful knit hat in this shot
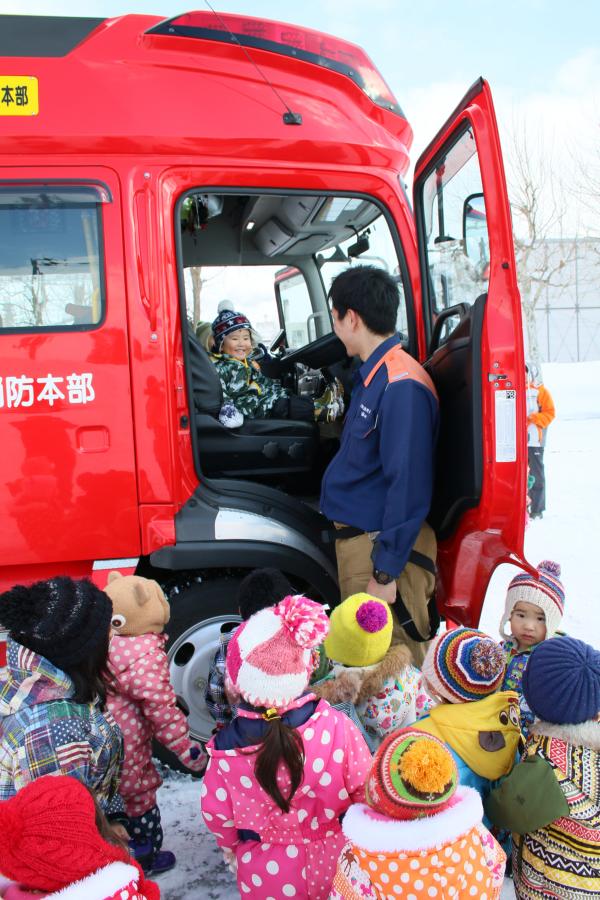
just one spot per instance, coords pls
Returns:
(61, 619)
(226, 323)
(561, 683)
(463, 665)
(545, 591)
(360, 631)
(412, 775)
(48, 835)
(269, 660)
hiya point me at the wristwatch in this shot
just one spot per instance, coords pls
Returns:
(382, 577)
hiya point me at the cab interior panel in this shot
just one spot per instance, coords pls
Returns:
(455, 368)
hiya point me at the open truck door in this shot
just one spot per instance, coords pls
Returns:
(475, 354)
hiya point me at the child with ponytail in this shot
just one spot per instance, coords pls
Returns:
(288, 766)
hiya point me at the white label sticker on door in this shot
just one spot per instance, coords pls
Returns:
(506, 426)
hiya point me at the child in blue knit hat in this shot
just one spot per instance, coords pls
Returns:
(248, 392)
(533, 610)
(551, 800)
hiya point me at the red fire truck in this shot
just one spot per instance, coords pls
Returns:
(149, 169)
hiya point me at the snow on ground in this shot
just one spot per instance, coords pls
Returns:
(569, 533)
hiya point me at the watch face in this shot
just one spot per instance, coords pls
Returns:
(382, 577)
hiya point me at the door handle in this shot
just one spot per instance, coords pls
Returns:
(143, 251)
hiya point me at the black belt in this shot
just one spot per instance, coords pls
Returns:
(402, 614)
(350, 531)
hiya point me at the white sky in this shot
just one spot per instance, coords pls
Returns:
(541, 57)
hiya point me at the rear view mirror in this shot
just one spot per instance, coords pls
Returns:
(361, 246)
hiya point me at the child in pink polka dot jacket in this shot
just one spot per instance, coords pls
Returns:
(143, 703)
(288, 766)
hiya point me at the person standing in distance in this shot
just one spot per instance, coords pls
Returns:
(377, 489)
(540, 413)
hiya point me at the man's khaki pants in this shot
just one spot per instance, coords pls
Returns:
(415, 585)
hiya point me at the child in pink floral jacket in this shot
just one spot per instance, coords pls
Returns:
(287, 768)
(378, 677)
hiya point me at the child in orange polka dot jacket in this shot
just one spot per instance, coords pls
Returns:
(143, 703)
(288, 766)
(419, 834)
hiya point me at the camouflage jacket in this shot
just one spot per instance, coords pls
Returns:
(244, 386)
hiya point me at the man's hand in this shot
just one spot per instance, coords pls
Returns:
(385, 592)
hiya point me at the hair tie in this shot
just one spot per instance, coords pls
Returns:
(270, 714)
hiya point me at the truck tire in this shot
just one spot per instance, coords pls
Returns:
(197, 614)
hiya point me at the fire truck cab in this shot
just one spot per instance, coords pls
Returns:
(150, 170)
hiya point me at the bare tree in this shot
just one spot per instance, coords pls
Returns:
(538, 203)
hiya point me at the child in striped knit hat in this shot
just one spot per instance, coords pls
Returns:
(463, 668)
(533, 611)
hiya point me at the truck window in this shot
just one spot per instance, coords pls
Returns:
(230, 242)
(456, 228)
(380, 252)
(247, 289)
(298, 319)
(50, 257)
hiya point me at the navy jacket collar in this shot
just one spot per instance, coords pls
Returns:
(376, 355)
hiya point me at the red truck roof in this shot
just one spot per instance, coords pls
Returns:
(202, 83)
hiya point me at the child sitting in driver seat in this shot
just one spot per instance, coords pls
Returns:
(248, 392)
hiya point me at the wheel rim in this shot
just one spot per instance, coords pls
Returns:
(190, 657)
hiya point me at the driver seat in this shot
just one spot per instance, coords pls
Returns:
(259, 446)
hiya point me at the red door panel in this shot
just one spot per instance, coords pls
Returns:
(473, 314)
(68, 491)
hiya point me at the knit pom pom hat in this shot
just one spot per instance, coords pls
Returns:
(61, 619)
(545, 591)
(226, 323)
(269, 660)
(561, 682)
(48, 835)
(360, 631)
(412, 775)
(464, 665)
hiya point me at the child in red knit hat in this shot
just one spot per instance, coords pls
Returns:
(50, 840)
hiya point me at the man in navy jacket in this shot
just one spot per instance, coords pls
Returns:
(377, 489)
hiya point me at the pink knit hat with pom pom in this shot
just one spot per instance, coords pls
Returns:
(269, 659)
(546, 591)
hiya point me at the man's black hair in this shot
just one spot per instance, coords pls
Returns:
(262, 588)
(370, 292)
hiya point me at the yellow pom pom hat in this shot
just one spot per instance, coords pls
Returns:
(413, 775)
(360, 631)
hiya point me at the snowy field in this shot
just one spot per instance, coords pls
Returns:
(569, 533)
